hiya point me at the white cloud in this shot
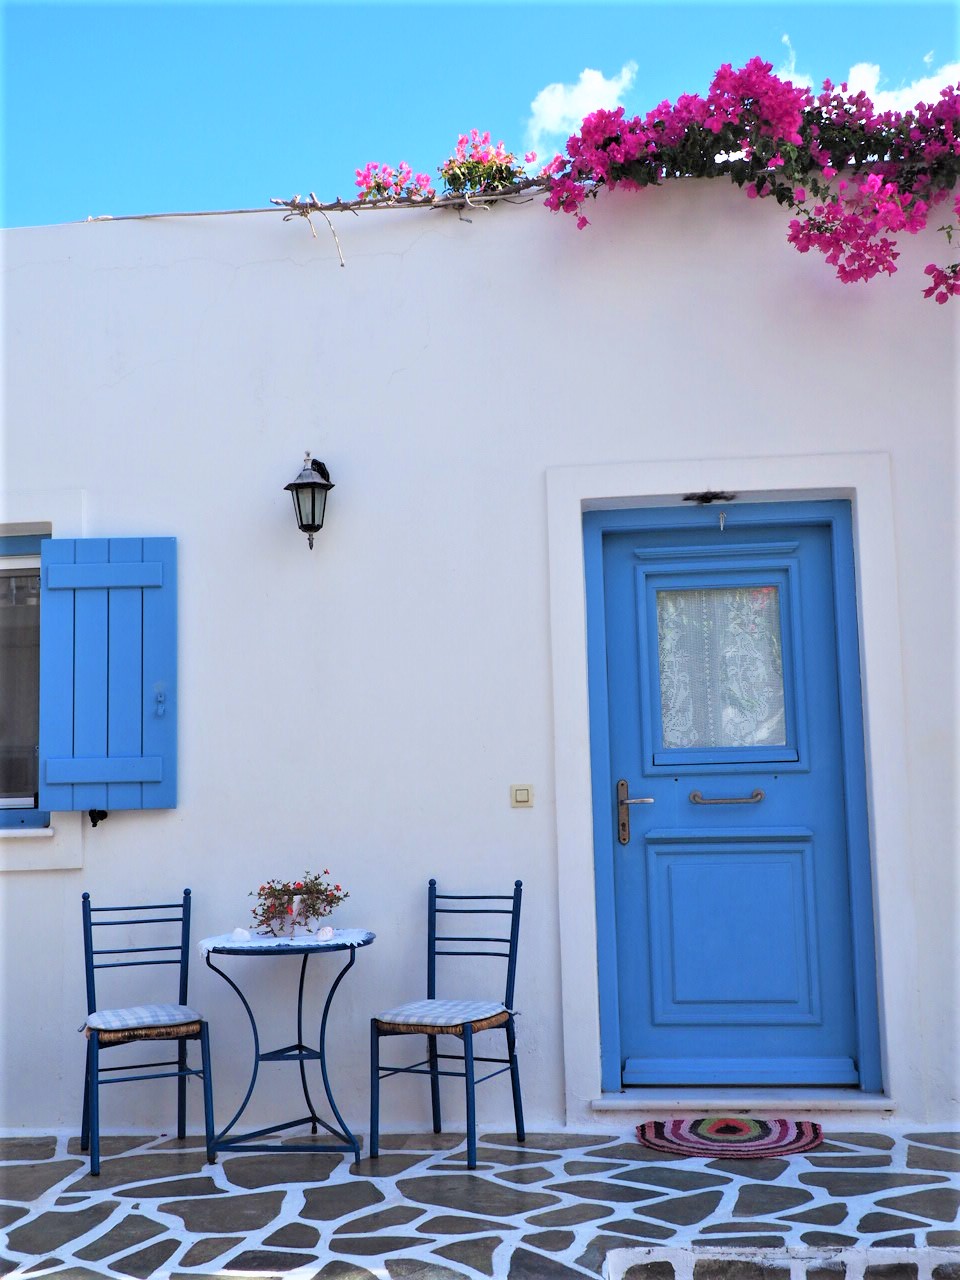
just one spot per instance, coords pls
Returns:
(559, 109)
(788, 69)
(866, 76)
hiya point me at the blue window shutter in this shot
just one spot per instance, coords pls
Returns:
(108, 673)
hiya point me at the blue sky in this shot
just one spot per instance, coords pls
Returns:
(125, 108)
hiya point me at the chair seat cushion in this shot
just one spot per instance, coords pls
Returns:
(141, 1016)
(440, 1016)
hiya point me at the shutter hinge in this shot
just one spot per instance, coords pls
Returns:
(96, 815)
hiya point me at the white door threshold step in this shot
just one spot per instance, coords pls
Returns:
(782, 1264)
(763, 1101)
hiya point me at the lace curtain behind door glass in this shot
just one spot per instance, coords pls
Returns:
(721, 668)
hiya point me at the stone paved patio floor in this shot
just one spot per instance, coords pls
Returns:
(550, 1210)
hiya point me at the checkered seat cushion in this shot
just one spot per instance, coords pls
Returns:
(446, 1017)
(144, 1022)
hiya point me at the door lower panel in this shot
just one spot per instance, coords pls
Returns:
(740, 1071)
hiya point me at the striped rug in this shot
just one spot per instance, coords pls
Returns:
(730, 1137)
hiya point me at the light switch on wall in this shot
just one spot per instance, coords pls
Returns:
(521, 796)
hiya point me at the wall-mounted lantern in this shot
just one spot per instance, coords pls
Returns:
(309, 492)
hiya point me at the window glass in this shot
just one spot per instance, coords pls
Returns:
(19, 686)
(721, 667)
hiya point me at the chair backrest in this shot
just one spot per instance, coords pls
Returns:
(166, 946)
(469, 934)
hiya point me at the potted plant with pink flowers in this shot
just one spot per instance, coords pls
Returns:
(283, 907)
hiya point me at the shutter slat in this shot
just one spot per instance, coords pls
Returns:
(75, 577)
(103, 769)
(125, 673)
(159, 694)
(90, 672)
(56, 670)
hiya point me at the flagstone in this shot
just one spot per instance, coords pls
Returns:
(471, 1193)
(551, 1141)
(933, 1158)
(145, 1262)
(570, 1215)
(175, 1144)
(148, 1167)
(872, 1222)
(385, 1166)
(115, 1144)
(737, 1269)
(863, 1161)
(365, 1246)
(28, 1148)
(577, 1167)
(269, 1170)
(657, 1270)
(477, 1254)
(267, 1260)
(526, 1176)
(295, 1235)
(613, 1192)
(633, 1227)
(454, 1225)
(823, 1215)
(527, 1265)
(831, 1238)
(371, 1223)
(594, 1255)
(418, 1269)
(634, 1151)
(72, 1200)
(226, 1214)
(28, 1182)
(945, 1239)
(949, 1140)
(554, 1241)
(327, 1203)
(11, 1212)
(946, 1271)
(131, 1230)
(339, 1269)
(940, 1203)
(759, 1198)
(861, 1184)
(890, 1271)
(905, 1241)
(6, 1266)
(506, 1155)
(182, 1187)
(763, 1170)
(729, 1228)
(883, 1141)
(422, 1141)
(674, 1179)
(683, 1211)
(43, 1265)
(206, 1250)
(53, 1229)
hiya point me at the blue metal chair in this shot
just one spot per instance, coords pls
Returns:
(461, 1018)
(106, 1028)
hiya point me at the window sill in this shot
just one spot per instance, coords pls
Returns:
(58, 847)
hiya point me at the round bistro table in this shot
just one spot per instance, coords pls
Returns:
(305, 946)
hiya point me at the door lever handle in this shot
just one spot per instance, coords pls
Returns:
(623, 813)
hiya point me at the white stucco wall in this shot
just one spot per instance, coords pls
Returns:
(367, 706)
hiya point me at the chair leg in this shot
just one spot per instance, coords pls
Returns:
(181, 1089)
(374, 1089)
(85, 1118)
(207, 1092)
(515, 1080)
(471, 1097)
(434, 1082)
(94, 1110)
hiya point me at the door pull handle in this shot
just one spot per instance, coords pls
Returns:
(623, 812)
(696, 797)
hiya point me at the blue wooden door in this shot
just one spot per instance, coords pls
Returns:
(728, 882)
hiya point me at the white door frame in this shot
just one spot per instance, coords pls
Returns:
(862, 478)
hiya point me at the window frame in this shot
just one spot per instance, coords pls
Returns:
(19, 552)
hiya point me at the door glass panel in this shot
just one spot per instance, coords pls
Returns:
(721, 667)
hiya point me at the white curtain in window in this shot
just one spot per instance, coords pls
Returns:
(721, 668)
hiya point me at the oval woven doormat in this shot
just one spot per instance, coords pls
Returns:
(730, 1137)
